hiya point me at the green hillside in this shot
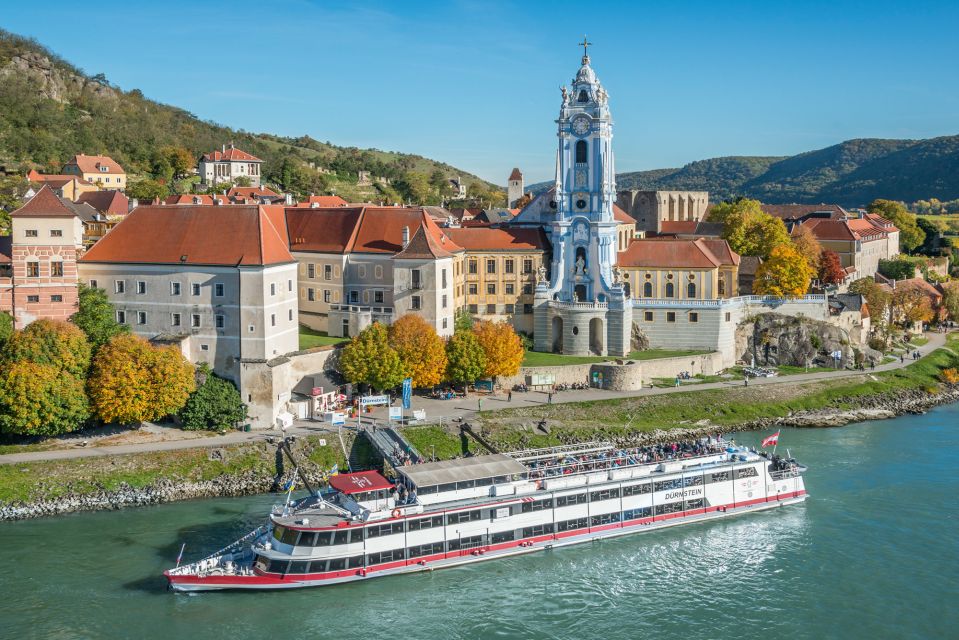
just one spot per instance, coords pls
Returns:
(50, 110)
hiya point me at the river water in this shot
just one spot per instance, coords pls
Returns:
(873, 553)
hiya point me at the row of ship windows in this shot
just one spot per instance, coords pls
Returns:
(354, 562)
(326, 538)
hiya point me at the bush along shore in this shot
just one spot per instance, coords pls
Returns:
(40, 489)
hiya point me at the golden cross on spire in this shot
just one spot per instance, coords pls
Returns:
(585, 44)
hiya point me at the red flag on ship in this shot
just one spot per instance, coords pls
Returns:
(771, 440)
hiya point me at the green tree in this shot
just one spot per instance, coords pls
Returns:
(910, 235)
(901, 268)
(950, 300)
(6, 329)
(370, 359)
(133, 381)
(96, 316)
(466, 358)
(462, 321)
(876, 297)
(750, 231)
(53, 343)
(415, 186)
(147, 190)
(38, 399)
(215, 405)
(12, 188)
(180, 159)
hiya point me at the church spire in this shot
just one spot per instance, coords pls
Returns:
(585, 44)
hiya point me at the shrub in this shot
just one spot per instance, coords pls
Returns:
(216, 403)
(950, 376)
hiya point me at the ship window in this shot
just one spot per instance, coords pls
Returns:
(278, 566)
(384, 530)
(503, 536)
(386, 556)
(355, 561)
(576, 498)
(262, 564)
(337, 564)
(576, 523)
(425, 491)
(695, 504)
(538, 530)
(674, 507)
(426, 523)
(606, 518)
(748, 472)
(633, 514)
(341, 537)
(484, 482)
(537, 505)
(303, 566)
(692, 481)
(322, 539)
(426, 549)
(668, 485)
(605, 494)
(466, 543)
(449, 486)
(307, 539)
(637, 489)
(466, 484)
(722, 476)
(464, 516)
(356, 535)
(284, 535)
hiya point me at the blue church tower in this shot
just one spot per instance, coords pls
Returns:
(579, 306)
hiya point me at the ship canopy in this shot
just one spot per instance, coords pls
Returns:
(499, 466)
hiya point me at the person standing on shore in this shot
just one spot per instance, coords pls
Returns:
(509, 396)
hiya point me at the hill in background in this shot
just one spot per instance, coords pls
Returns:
(51, 110)
(852, 173)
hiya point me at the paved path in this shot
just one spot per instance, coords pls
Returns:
(446, 410)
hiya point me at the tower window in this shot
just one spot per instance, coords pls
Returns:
(583, 96)
(581, 151)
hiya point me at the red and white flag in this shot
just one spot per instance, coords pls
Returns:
(771, 440)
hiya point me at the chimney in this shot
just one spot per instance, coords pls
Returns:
(406, 236)
(289, 199)
(314, 205)
(223, 149)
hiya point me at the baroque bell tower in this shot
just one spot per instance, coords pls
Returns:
(588, 310)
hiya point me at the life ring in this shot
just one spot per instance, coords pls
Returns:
(396, 513)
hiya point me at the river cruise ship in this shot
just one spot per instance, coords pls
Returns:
(448, 513)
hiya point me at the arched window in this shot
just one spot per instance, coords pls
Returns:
(722, 286)
(583, 96)
(691, 290)
(670, 290)
(648, 290)
(581, 151)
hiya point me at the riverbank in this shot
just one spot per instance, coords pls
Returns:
(37, 489)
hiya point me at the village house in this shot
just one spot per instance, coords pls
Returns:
(228, 165)
(65, 186)
(102, 171)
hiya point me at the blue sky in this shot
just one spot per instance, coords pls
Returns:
(476, 84)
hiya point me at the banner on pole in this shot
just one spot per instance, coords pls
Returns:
(407, 392)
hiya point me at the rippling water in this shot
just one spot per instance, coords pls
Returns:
(873, 553)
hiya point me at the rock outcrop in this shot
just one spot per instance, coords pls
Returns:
(774, 340)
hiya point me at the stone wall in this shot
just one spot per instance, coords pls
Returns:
(267, 386)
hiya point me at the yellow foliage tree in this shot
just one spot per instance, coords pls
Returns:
(808, 245)
(54, 343)
(40, 399)
(422, 352)
(749, 230)
(133, 381)
(785, 273)
(502, 346)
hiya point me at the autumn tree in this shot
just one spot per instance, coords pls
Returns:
(749, 230)
(370, 359)
(502, 346)
(950, 300)
(133, 381)
(830, 268)
(466, 358)
(216, 403)
(808, 246)
(40, 399)
(911, 304)
(910, 235)
(876, 297)
(181, 161)
(147, 190)
(54, 343)
(422, 352)
(785, 273)
(6, 328)
(96, 316)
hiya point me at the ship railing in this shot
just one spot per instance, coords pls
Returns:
(549, 452)
(592, 465)
(191, 568)
(784, 474)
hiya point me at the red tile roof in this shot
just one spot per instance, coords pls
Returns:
(669, 254)
(230, 154)
(110, 202)
(828, 229)
(676, 227)
(251, 192)
(45, 204)
(198, 199)
(796, 211)
(200, 235)
(94, 164)
(55, 179)
(322, 230)
(498, 239)
(516, 174)
(621, 216)
(323, 201)
(423, 246)
(722, 250)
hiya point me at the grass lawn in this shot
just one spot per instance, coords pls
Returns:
(918, 341)
(542, 359)
(310, 338)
